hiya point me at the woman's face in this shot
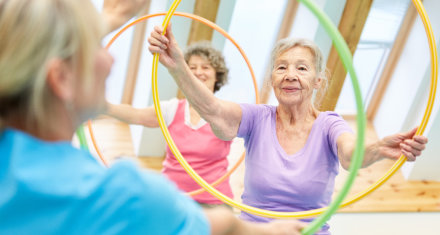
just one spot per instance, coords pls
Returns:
(93, 101)
(294, 76)
(203, 70)
(103, 64)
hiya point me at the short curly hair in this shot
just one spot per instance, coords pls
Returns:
(214, 56)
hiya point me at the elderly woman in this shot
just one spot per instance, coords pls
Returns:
(52, 78)
(293, 150)
(206, 153)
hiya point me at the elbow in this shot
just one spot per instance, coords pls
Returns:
(222, 134)
(345, 163)
(347, 160)
(345, 157)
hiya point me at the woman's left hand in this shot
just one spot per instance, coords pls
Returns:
(118, 12)
(406, 143)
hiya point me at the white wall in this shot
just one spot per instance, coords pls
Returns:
(405, 99)
(385, 224)
(252, 26)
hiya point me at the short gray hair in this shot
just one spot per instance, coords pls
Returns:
(214, 56)
(287, 43)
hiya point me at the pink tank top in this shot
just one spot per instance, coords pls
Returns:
(204, 152)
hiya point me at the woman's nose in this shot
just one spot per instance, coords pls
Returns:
(198, 71)
(291, 75)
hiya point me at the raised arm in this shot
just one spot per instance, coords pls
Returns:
(223, 116)
(223, 222)
(118, 12)
(392, 147)
(130, 115)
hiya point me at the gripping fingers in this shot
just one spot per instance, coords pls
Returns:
(155, 49)
(421, 139)
(157, 33)
(409, 156)
(409, 152)
(415, 144)
(156, 43)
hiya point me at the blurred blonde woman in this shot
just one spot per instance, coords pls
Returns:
(206, 153)
(52, 78)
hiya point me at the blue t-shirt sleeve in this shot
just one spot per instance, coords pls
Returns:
(336, 126)
(148, 203)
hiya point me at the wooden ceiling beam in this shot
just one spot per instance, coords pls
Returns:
(350, 26)
(207, 9)
(135, 58)
(393, 58)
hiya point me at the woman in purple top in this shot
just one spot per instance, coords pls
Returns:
(293, 150)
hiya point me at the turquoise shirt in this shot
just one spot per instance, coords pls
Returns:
(54, 188)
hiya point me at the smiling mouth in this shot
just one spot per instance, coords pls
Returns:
(291, 90)
(202, 79)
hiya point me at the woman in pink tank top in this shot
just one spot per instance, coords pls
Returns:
(206, 153)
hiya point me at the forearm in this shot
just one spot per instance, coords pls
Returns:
(202, 99)
(118, 12)
(112, 22)
(346, 147)
(223, 222)
(125, 113)
(223, 116)
(372, 153)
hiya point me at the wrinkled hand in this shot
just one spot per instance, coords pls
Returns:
(407, 143)
(118, 12)
(166, 45)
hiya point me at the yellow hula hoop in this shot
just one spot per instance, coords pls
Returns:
(221, 31)
(311, 213)
(428, 110)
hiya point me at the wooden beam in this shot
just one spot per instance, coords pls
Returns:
(199, 32)
(207, 9)
(350, 26)
(135, 58)
(284, 31)
(391, 63)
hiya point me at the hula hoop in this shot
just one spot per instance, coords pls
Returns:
(312, 213)
(357, 160)
(225, 34)
(98, 151)
(432, 92)
(428, 110)
(82, 138)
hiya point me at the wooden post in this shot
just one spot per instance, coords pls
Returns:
(135, 58)
(206, 9)
(351, 25)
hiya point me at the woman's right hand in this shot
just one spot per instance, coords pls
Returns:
(170, 55)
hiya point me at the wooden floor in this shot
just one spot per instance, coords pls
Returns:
(396, 195)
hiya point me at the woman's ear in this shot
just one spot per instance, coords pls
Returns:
(317, 83)
(60, 79)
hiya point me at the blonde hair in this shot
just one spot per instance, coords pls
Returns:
(214, 56)
(33, 33)
(287, 43)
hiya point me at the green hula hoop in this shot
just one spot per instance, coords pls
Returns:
(347, 60)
